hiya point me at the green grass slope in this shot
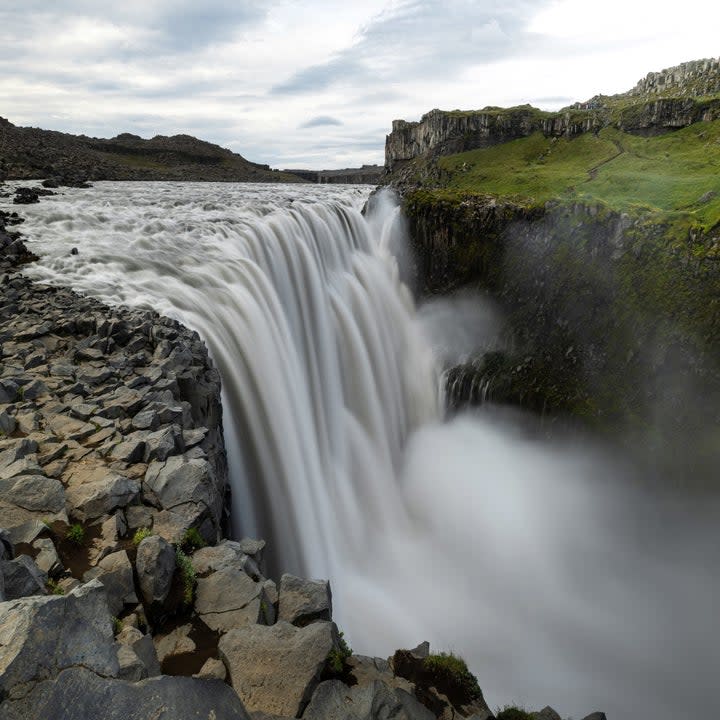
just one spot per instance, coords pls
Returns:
(675, 177)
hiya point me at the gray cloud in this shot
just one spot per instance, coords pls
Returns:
(164, 26)
(396, 43)
(320, 121)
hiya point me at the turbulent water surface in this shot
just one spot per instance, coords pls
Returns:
(533, 560)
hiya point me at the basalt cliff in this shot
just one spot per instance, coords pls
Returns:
(596, 230)
(667, 100)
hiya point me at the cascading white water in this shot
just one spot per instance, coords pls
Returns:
(324, 373)
(557, 584)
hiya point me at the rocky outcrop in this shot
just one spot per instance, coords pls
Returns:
(443, 133)
(697, 77)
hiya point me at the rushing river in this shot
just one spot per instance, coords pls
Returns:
(533, 560)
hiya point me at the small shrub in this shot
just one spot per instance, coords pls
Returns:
(338, 655)
(192, 540)
(451, 676)
(53, 588)
(140, 535)
(512, 712)
(76, 534)
(117, 625)
(187, 575)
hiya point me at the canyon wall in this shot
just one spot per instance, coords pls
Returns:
(668, 100)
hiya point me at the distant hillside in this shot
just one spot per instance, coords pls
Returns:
(34, 153)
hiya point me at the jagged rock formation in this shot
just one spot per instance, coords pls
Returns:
(34, 153)
(697, 77)
(671, 99)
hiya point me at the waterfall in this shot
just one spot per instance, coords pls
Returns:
(558, 578)
(325, 373)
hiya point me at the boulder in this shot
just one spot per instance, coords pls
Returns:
(115, 572)
(22, 577)
(131, 666)
(179, 481)
(143, 648)
(163, 443)
(79, 694)
(333, 700)
(41, 636)
(211, 558)
(96, 498)
(213, 669)
(595, 716)
(34, 493)
(175, 642)
(275, 669)
(229, 599)
(155, 565)
(47, 558)
(304, 601)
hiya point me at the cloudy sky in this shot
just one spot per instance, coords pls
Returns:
(316, 84)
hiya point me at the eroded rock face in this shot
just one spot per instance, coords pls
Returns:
(276, 669)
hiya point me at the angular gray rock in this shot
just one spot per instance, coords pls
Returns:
(115, 572)
(41, 636)
(179, 481)
(304, 601)
(21, 578)
(35, 493)
(131, 666)
(90, 500)
(79, 694)
(275, 669)
(175, 642)
(144, 650)
(47, 558)
(229, 599)
(333, 700)
(155, 565)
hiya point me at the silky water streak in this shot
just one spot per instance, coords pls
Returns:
(324, 370)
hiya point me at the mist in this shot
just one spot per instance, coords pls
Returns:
(556, 576)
